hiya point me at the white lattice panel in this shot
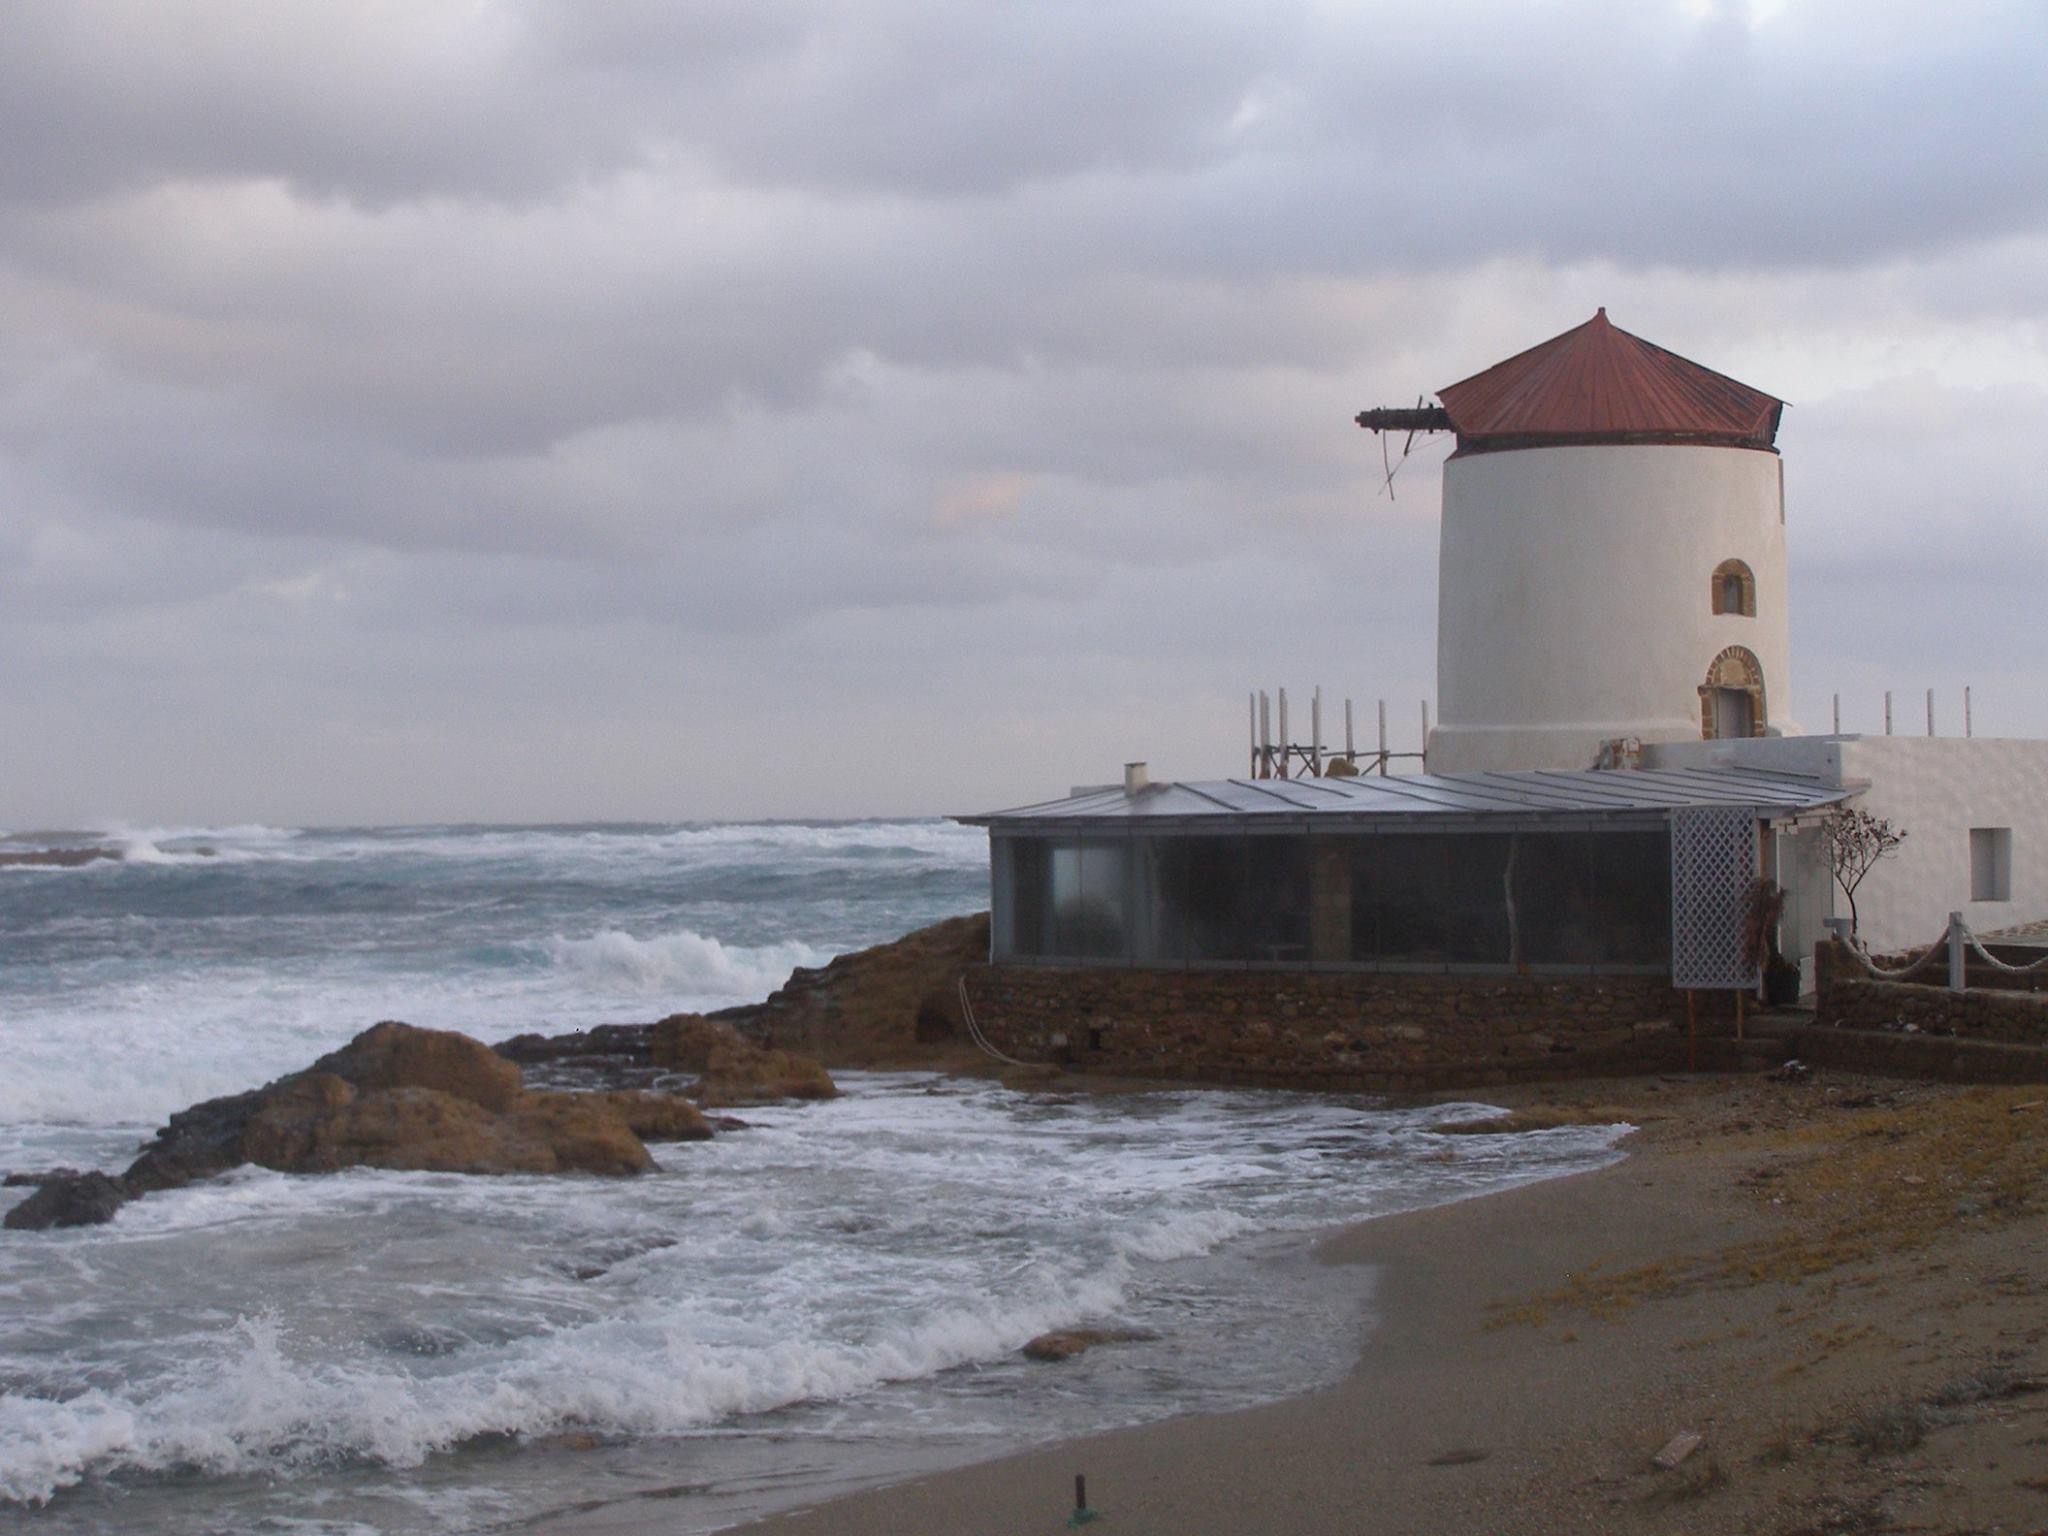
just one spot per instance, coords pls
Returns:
(1713, 864)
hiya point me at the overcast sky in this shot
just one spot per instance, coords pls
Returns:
(564, 409)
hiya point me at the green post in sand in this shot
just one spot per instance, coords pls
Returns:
(1082, 1513)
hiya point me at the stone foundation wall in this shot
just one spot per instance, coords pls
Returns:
(1900, 1055)
(2016, 1018)
(1850, 997)
(1349, 1031)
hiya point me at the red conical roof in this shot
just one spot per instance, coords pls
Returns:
(1598, 384)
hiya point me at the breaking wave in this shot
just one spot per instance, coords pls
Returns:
(254, 1408)
(687, 967)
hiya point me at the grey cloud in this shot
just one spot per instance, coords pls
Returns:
(603, 395)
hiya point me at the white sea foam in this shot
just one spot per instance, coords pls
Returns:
(138, 1049)
(252, 1407)
(1185, 1235)
(854, 1254)
(684, 964)
(835, 1264)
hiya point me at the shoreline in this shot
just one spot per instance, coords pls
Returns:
(1533, 1349)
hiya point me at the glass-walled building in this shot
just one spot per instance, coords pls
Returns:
(1569, 872)
(1469, 899)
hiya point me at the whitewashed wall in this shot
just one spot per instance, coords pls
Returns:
(1936, 789)
(1575, 605)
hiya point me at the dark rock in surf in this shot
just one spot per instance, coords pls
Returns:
(196, 1143)
(57, 858)
(624, 1042)
(71, 1200)
(37, 1180)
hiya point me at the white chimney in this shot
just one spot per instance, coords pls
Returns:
(1134, 778)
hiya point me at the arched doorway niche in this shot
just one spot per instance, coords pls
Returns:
(1732, 697)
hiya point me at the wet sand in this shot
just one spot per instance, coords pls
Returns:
(1839, 1285)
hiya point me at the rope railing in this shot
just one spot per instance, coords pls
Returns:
(1900, 974)
(1955, 938)
(1992, 960)
(974, 1030)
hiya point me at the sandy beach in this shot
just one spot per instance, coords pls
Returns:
(1835, 1284)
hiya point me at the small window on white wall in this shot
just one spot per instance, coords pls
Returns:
(1991, 863)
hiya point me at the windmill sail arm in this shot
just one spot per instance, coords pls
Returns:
(1395, 418)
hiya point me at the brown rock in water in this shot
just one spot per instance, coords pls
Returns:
(683, 1042)
(659, 1116)
(421, 1129)
(289, 1131)
(585, 1134)
(322, 1124)
(395, 1097)
(731, 1069)
(393, 1055)
(1065, 1343)
(750, 1075)
(895, 1004)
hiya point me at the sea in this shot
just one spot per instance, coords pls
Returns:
(832, 1298)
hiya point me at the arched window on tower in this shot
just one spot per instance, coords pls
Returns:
(1732, 697)
(1734, 589)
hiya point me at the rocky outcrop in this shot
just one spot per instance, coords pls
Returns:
(195, 1143)
(394, 1055)
(321, 1123)
(394, 1097)
(731, 1070)
(897, 1004)
(894, 1005)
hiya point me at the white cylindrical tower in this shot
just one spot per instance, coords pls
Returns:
(1613, 556)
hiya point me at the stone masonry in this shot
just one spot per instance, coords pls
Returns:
(1348, 1031)
(1850, 997)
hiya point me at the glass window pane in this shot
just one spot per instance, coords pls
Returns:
(1557, 899)
(1065, 887)
(1365, 909)
(1277, 899)
(1432, 900)
(1030, 880)
(1157, 885)
(1103, 900)
(1635, 871)
(1210, 891)
(1594, 898)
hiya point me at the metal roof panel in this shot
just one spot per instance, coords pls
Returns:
(1416, 797)
(1597, 382)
